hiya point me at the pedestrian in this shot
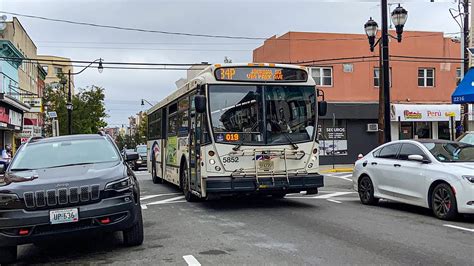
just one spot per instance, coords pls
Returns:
(459, 130)
(6, 156)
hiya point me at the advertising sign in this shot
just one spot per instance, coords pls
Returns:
(30, 131)
(35, 104)
(333, 141)
(4, 115)
(16, 118)
(425, 112)
(171, 151)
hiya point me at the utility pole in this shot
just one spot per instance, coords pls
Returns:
(386, 72)
(465, 54)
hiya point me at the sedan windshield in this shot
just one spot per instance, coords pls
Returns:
(451, 152)
(247, 114)
(63, 153)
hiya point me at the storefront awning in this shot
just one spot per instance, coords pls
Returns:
(464, 93)
(14, 102)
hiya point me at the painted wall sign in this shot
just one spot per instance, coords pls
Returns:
(425, 112)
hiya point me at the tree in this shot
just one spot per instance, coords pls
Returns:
(89, 109)
(142, 130)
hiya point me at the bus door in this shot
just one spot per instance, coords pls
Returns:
(195, 147)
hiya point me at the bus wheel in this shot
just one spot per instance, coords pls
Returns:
(186, 184)
(154, 176)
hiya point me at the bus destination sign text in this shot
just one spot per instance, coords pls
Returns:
(263, 74)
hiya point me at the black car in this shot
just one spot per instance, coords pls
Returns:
(142, 157)
(67, 186)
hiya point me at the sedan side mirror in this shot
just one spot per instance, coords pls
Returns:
(418, 158)
(131, 156)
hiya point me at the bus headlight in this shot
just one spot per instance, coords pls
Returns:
(212, 161)
(218, 168)
(310, 165)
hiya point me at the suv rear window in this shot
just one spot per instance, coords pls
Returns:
(67, 152)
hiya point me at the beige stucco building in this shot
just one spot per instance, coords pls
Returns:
(55, 66)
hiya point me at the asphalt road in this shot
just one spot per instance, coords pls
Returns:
(331, 228)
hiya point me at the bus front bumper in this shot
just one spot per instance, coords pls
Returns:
(264, 185)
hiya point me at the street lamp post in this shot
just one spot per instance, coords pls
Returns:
(69, 105)
(145, 101)
(399, 17)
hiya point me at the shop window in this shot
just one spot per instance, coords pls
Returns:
(406, 130)
(322, 76)
(423, 130)
(426, 77)
(458, 75)
(377, 77)
(443, 130)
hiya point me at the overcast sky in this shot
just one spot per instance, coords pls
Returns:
(254, 18)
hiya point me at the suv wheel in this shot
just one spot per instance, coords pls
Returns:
(186, 184)
(134, 235)
(366, 191)
(443, 202)
(8, 254)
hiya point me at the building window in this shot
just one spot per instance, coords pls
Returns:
(426, 77)
(45, 68)
(58, 70)
(377, 77)
(322, 75)
(458, 75)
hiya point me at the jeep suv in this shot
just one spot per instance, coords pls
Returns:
(67, 186)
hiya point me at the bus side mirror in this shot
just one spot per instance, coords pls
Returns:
(200, 103)
(322, 108)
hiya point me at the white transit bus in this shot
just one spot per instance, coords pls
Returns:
(239, 129)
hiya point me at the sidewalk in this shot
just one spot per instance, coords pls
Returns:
(338, 168)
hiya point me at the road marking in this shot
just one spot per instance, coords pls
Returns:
(335, 194)
(335, 201)
(144, 207)
(459, 227)
(158, 195)
(343, 177)
(191, 260)
(166, 201)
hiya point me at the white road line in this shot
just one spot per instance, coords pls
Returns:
(144, 207)
(344, 177)
(459, 227)
(335, 194)
(166, 200)
(191, 260)
(335, 201)
(158, 195)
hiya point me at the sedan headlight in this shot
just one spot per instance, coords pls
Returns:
(120, 185)
(7, 199)
(469, 178)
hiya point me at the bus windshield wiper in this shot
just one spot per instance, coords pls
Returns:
(295, 147)
(237, 147)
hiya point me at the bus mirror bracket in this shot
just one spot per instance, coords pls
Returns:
(200, 100)
(322, 105)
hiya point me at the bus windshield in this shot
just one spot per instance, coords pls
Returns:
(275, 114)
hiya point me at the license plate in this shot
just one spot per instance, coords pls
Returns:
(64, 216)
(266, 165)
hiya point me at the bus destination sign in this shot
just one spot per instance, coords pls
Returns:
(262, 74)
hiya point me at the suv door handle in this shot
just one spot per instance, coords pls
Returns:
(373, 163)
(397, 165)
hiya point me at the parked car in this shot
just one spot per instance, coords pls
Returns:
(142, 157)
(435, 174)
(66, 186)
(467, 137)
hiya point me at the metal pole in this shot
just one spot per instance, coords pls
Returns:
(69, 100)
(465, 55)
(386, 73)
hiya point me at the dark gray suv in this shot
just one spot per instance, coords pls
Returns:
(66, 186)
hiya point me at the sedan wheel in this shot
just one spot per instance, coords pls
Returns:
(366, 191)
(443, 202)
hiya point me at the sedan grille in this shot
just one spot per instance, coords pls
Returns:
(62, 196)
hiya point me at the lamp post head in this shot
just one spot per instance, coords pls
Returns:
(371, 28)
(69, 106)
(100, 68)
(399, 17)
(143, 103)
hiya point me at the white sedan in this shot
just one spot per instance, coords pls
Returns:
(435, 174)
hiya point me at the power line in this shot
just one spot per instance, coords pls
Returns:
(195, 34)
(145, 48)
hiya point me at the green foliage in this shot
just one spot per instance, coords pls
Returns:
(88, 114)
(141, 134)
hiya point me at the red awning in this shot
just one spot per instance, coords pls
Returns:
(28, 122)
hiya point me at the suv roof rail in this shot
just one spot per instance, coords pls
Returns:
(34, 139)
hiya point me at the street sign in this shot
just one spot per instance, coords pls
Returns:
(53, 114)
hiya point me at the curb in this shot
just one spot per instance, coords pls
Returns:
(338, 170)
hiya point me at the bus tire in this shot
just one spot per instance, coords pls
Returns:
(154, 176)
(185, 183)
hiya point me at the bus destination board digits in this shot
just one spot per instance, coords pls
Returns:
(260, 74)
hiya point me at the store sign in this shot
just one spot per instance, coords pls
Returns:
(16, 118)
(30, 131)
(35, 104)
(333, 141)
(4, 115)
(425, 112)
